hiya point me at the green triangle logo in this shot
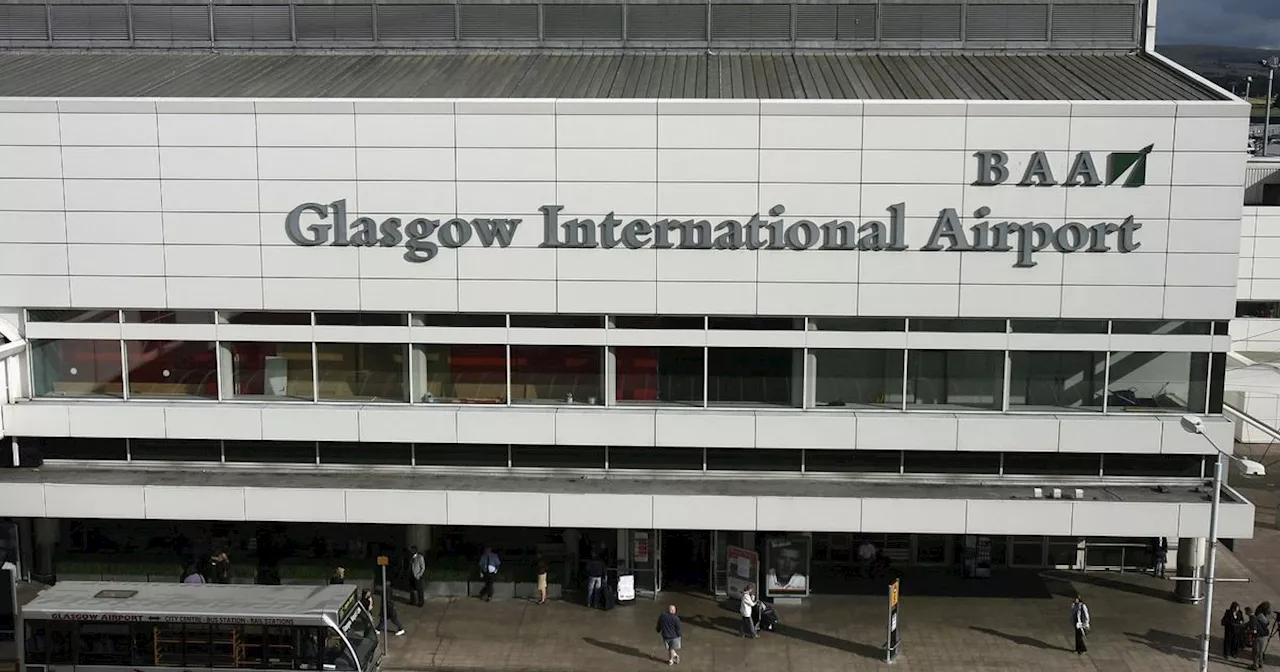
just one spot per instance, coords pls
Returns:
(1129, 166)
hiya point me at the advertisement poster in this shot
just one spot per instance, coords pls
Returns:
(626, 587)
(743, 569)
(787, 559)
(640, 548)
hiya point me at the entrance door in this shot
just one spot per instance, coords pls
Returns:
(643, 550)
(686, 560)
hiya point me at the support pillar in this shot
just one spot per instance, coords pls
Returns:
(420, 536)
(47, 535)
(1192, 554)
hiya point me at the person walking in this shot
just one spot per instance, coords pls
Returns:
(489, 564)
(391, 616)
(541, 569)
(1080, 621)
(1232, 629)
(747, 609)
(1261, 627)
(417, 570)
(190, 575)
(1161, 556)
(339, 576)
(669, 629)
(596, 571)
(221, 568)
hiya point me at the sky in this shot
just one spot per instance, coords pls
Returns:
(1236, 23)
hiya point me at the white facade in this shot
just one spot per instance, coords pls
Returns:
(182, 204)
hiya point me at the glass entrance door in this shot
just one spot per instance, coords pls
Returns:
(644, 549)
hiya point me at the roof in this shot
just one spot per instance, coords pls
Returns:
(204, 601)
(548, 74)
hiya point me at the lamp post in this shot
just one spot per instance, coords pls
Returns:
(1195, 425)
(1270, 64)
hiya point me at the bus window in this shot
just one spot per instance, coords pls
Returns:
(62, 650)
(144, 646)
(251, 647)
(198, 652)
(280, 648)
(222, 645)
(104, 644)
(359, 630)
(168, 645)
(37, 649)
(309, 638)
(336, 655)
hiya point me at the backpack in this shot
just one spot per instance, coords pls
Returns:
(1261, 627)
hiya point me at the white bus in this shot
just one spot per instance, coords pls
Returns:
(159, 627)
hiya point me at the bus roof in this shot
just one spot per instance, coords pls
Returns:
(122, 602)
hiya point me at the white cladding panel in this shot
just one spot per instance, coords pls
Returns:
(144, 186)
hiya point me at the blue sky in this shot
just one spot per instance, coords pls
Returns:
(1237, 23)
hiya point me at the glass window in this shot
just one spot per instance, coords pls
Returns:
(175, 450)
(459, 455)
(471, 374)
(949, 462)
(1161, 327)
(939, 324)
(1057, 464)
(1173, 382)
(105, 644)
(858, 377)
(198, 649)
(557, 374)
(753, 376)
(366, 453)
(362, 371)
(658, 375)
(754, 459)
(51, 448)
(172, 369)
(563, 457)
(1027, 552)
(1058, 326)
(1152, 465)
(1266, 310)
(76, 369)
(857, 324)
(655, 458)
(756, 323)
(144, 645)
(1056, 380)
(955, 379)
(362, 319)
(93, 316)
(279, 371)
(658, 322)
(265, 317)
(557, 322)
(853, 461)
(931, 549)
(291, 452)
(459, 320)
(62, 649)
(37, 642)
(168, 316)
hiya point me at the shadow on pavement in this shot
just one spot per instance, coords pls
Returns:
(1134, 584)
(864, 650)
(717, 624)
(1020, 639)
(623, 649)
(937, 582)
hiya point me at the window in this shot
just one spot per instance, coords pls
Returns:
(51, 448)
(752, 377)
(262, 317)
(105, 644)
(1058, 326)
(562, 457)
(658, 322)
(755, 323)
(144, 645)
(37, 642)
(857, 324)
(557, 374)
(459, 455)
(955, 379)
(168, 316)
(169, 369)
(293, 452)
(1172, 466)
(459, 320)
(278, 371)
(198, 648)
(688, 459)
(1267, 310)
(969, 326)
(659, 375)
(76, 369)
(1052, 464)
(557, 322)
(175, 450)
(362, 319)
(1161, 327)
(88, 316)
(1172, 382)
(1056, 380)
(853, 461)
(461, 373)
(366, 453)
(949, 462)
(754, 459)
(858, 377)
(362, 372)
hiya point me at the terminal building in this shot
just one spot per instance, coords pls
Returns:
(662, 279)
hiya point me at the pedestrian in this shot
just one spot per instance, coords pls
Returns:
(542, 580)
(389, 615)
(1261, 626)
(418, 570)
(748, 611)
(1080, 621)
(866, 557)
(221, 567)
(595, 581)
(489, 564)
(669, 629)
(338, 577)
(1232, 626)
(1247, 642)
(190, 575)
(1159, 556)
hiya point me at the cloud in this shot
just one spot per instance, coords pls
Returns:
(1237, 23)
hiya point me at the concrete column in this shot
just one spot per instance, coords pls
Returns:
(1192, 555)
(420, 536)
(47, 537)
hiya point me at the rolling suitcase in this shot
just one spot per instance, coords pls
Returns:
(608, 597)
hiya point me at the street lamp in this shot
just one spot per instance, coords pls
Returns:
(1195, 425)
(1270, 64)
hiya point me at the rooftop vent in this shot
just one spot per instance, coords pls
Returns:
(115, 594)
